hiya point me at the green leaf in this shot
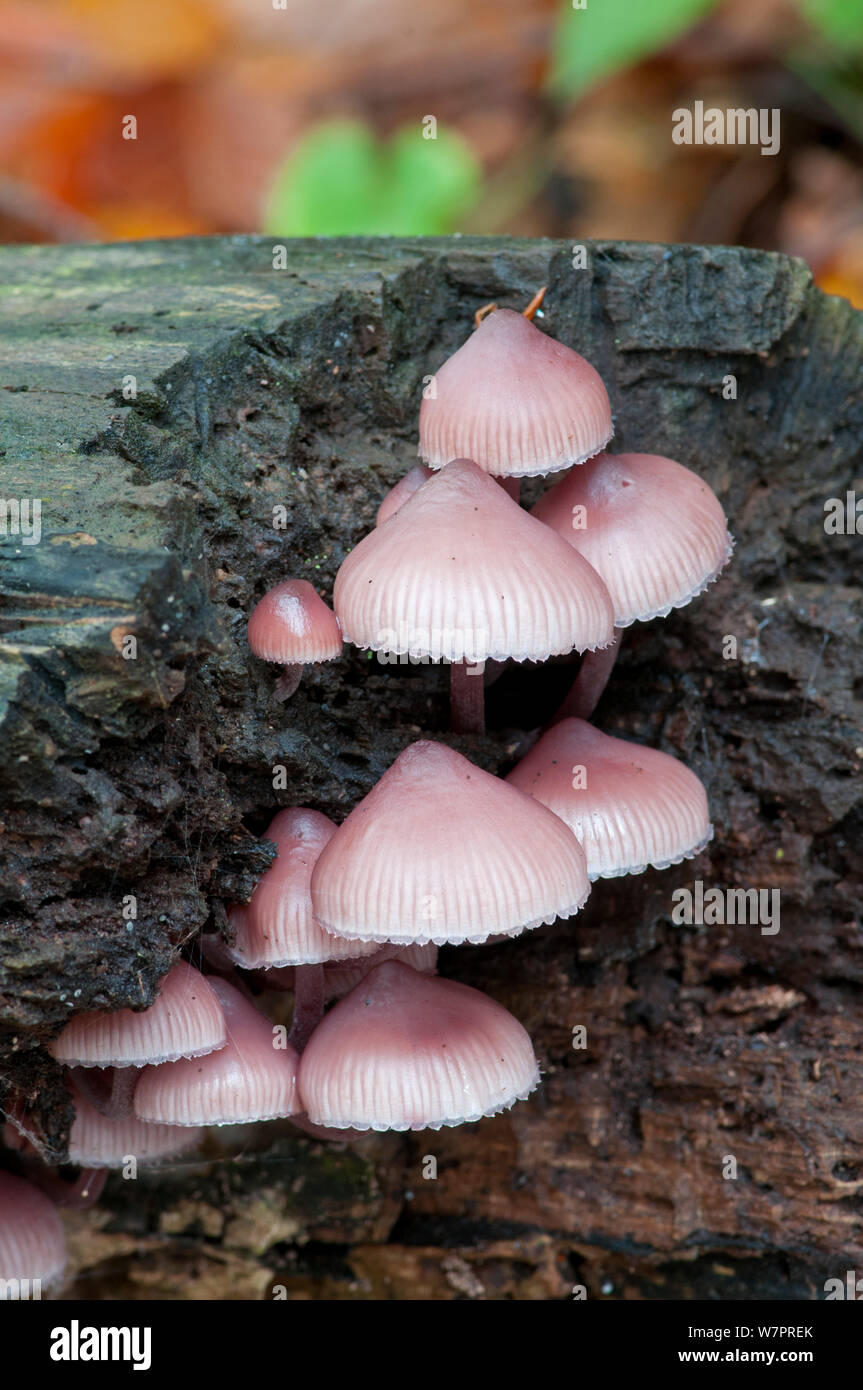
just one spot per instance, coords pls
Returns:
(608, 35)
(340, 181)
(432, 182)
(329, 185)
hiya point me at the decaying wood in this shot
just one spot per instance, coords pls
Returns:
(258, 388)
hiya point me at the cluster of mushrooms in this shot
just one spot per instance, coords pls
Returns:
(439, 851)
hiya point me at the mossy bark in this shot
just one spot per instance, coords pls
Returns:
(257, 388)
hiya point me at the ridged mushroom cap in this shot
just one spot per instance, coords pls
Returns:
(185, 1021)
(341, 976)
(652, 529)
(629, 806)
(293, 625)
(401, 491)
(515, 400)
(462, 573)
(440, 851)
(98, 1142)
(249, 1079)
(277, 926)
(409, 1051)
(32, 1242)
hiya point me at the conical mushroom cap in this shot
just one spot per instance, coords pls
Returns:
(462, 573)
(441, 851)
(293, 625)
(516, 400)
(410, 1051)
(652, 529)
(629, 806)
(185, 1021)
(277, 926)
(248, 1079)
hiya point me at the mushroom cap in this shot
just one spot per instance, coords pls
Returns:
(654, 530)
(277, 926)
(516, 400)
(293, 625)
(248, 1079)
(341, 976)
(98, 1142)
(185, 1021)
(410, 1051)
(440, 851)
(462, 573)
(32, 1243)
(403, 489)
(639, 807)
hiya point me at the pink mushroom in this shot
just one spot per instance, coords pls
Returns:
(277, 928)
(404, 488)
(185, 1021)
(294, 627)
(98, 1142)
(629, 806)
(516, 401)
(440, 851)
(409, 1051)
(652, 529)
(32, 1243)
(251, 1078)
(461, 574)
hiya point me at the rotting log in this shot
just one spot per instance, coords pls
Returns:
(258, 388)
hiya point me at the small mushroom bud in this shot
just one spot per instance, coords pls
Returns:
(294, 627)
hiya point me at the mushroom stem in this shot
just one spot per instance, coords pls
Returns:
(276, 977)
(79, 1195)
(288, 682)
(467, 698)
(308, 1004)
(109, 1090)
(592, 678)
(331, 1136)
(85, 1191)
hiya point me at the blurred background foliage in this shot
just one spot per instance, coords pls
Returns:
(370, 116)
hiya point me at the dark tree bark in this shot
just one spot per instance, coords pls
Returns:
(150, 778)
